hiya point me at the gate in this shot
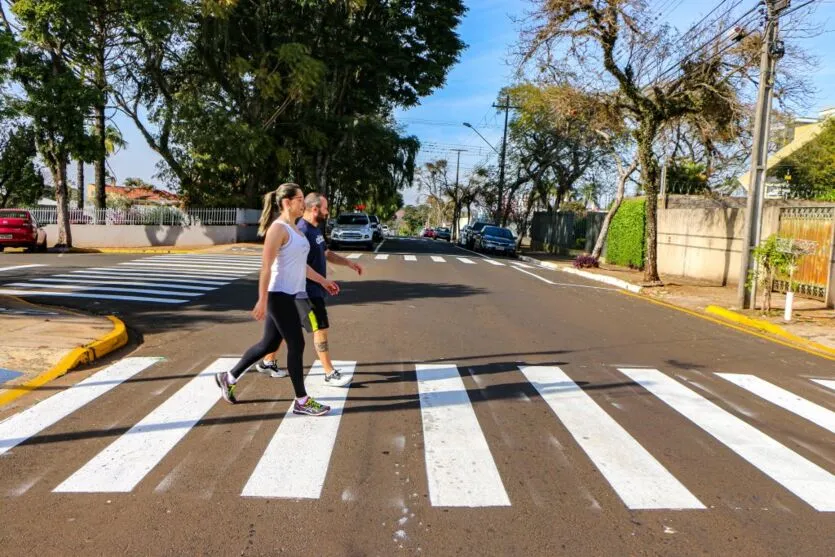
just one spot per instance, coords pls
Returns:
(817, 224)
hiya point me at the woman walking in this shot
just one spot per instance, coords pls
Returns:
(283, 272)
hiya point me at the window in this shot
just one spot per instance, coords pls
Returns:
(355, 220)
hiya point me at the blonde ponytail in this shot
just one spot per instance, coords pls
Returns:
(268, 214)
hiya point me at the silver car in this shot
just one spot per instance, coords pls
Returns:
(353, 229)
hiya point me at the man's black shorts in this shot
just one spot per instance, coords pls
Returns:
(313, 313)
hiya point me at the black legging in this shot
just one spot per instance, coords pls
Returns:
(282, 322)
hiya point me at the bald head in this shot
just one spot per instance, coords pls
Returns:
(315, 207)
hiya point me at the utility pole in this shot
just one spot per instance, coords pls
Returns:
(506, 107)
(772, 50)
(457, 213)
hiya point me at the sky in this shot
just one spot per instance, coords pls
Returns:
(490, 28)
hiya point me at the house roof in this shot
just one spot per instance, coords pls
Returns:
(143, 194)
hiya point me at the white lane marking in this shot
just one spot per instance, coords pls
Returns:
(201, 264)
(805, 479)
(382, 256)
(174, 277)
(828, 383)
(194, 269)
(410, 258)
(95, 288)
(15, 268)
(522, 265)
(353, 256)
(494, 262)
(93, 296)
(460, 469)
(438, 259)
(127, 460)
(377, 249)
(533, 275)
(20, 427)
(242, 261)
(636, 476)
(110, 281)
(302, 478)
(816, 414)
(465, 260)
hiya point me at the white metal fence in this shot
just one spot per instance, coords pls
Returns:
(149, 216)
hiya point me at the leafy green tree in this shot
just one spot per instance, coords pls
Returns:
(21, 182)
(686, 176)
(810, 171)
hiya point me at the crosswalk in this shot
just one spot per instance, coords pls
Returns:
(163, 279)
(460, 461)
(413, 258)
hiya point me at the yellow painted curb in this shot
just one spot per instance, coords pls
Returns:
(767, 327)
(86, 354)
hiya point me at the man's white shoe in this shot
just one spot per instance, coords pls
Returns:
(336, 379)
(270, 368)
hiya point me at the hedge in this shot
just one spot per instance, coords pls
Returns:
(625, 244)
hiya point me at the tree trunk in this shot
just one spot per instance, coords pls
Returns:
(79, 179)
(649, 178)
(58, 168)
(100, 125)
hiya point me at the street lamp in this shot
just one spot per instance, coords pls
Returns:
(467, 124)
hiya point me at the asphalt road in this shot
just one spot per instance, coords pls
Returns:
(495, 410)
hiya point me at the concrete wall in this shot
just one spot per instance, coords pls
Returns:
(133, 236)
(701, 238)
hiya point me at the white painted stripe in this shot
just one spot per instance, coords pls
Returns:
(522, 265)
(465, 260)
(15, 268)
(460, 469)
(410, 258)
(255, 260)
(438, 259)
(174, 277)
(115, 281)
(639, 479)
(382, 256)
(828, 383)
(20, 427)
(210, 269)
(805, 479)
(354, 256)
(302, 478)
(93, 296)
(494, 262)
(124, 463)
(217, 275)
(204, 264)
(784, 399)
(95, 288)
(534, 276)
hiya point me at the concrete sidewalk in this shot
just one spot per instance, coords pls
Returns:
(811, 320)
(41, 343)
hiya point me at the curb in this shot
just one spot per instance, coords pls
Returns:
(606, 279)
(767, 327)
(86, 354)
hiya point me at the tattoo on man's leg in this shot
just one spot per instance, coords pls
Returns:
(321, 346)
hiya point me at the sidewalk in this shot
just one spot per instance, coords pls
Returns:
(41, 343)
(810, 320)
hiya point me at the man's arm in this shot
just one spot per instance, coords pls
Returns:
(337, 259)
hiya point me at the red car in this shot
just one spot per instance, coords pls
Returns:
(428, 233)
(18, 229)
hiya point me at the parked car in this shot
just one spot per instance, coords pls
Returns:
(428, 233)
(496, 239)
(462, 235)
(18, 229)
(386, 231)
(443, 233)
(473, 232)
(353, 229)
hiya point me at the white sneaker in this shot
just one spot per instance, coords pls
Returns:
(270, 368)
(336, 379)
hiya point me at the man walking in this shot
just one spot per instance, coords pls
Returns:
(313, 309)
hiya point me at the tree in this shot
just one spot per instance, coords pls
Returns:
(415, 218)
(614, 41)
(21, 182)
(810, 171)
(56, 101)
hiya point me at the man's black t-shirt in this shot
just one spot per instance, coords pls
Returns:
(316, 256)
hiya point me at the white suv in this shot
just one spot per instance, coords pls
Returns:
(353, 229)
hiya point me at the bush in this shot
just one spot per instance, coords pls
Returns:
(585, 261)
(625, 243)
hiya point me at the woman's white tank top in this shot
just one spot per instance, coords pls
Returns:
(289, 272)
